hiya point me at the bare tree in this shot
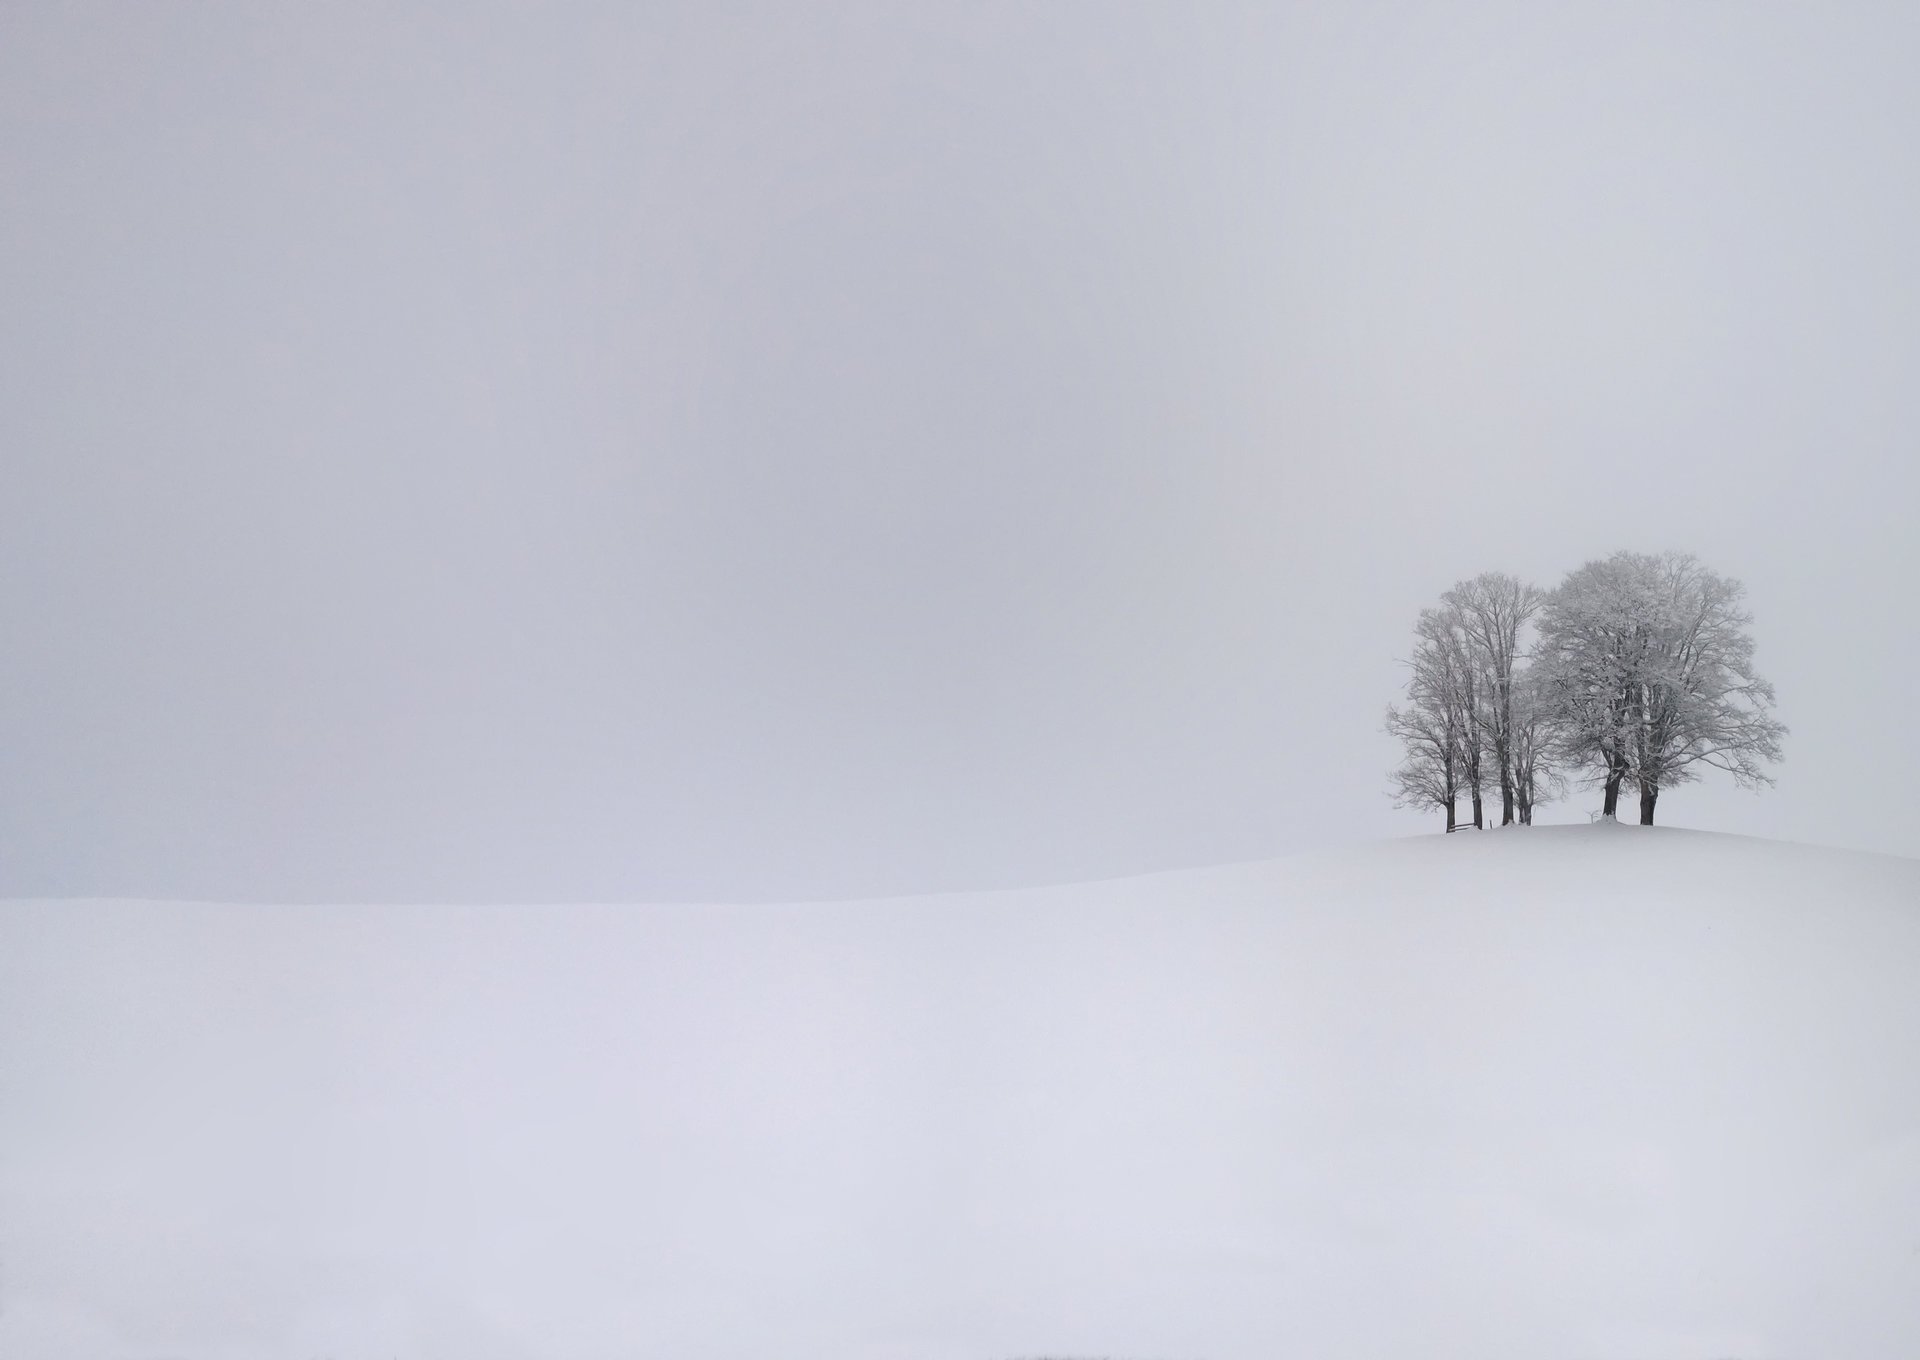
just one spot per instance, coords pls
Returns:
(1490, 614)
(1429, 775)
(1536, 778)
(1442, 728)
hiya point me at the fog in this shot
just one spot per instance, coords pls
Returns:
(623, 453)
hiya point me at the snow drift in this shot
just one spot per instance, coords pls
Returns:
(1609, 1092)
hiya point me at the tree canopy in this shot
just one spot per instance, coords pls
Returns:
(1637, 669)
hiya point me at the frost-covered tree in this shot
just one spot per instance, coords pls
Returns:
(1429, 774)
(1536, 778)
(1595, 634)
(1442, 728)
(1646, 671)
(1702, 704)
(1490, 614)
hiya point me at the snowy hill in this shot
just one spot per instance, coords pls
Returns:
(1607, 1092)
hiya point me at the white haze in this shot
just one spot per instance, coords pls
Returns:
(1563, 1092)
(647, 452)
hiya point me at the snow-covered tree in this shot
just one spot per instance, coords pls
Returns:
(1646, 670)
(1594, 640)
(1703, 705)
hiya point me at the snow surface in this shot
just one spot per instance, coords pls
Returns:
(1552, 1092)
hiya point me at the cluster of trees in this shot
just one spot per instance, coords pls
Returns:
(1637, 669)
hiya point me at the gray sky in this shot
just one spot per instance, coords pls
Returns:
(590, 453)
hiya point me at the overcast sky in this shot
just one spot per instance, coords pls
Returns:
(609, 453)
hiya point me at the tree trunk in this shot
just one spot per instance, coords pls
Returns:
(1479, 819)
(1506, 802)
(1647, 797)
(1449, 814)
(1612, 803)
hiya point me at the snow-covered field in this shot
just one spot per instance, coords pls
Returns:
(1548, 1094)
